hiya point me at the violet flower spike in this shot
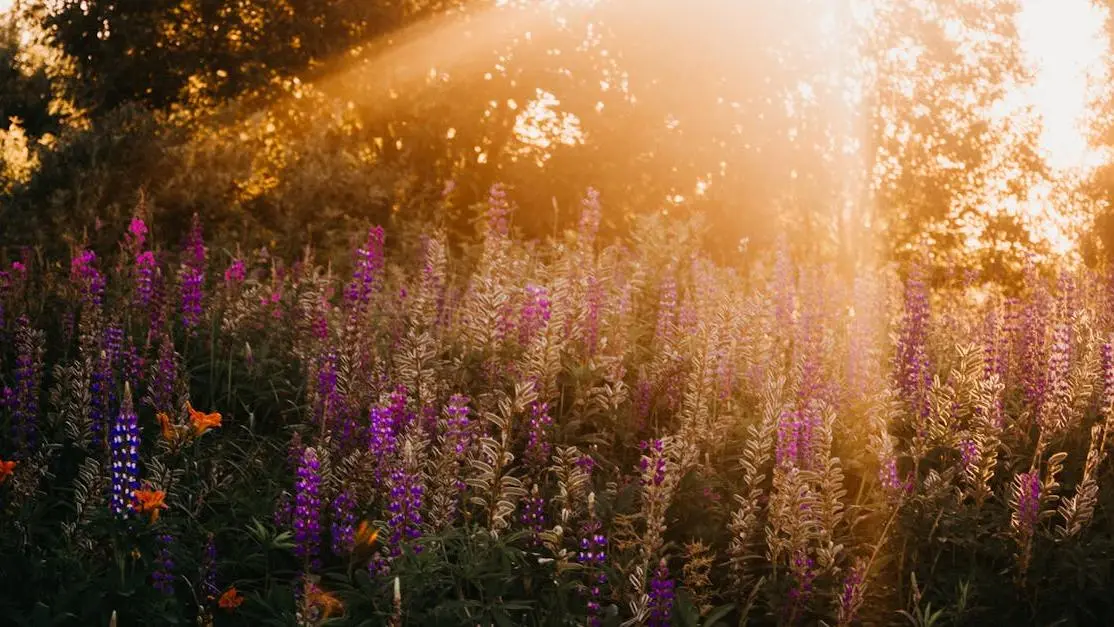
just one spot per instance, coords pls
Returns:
(162, 579)
(124, 453)
(405, 510)
(343, 529)
(307, 509)
(661, 597)
(28, 384)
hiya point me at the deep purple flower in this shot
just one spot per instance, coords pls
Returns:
(537, 443)
(891, 482)
(586, 463)
(367, 275)
(592, 551)
(458, 433)
(1033, 347)
(653, 463)
(788, 438)
(320, 324)
(381, 433)
(100, 397)
(195, 252)
(328, 397)
(968, 453)
(162, 579)
(307, 509)
(136, 235)
(535, 313)
(343, 529)
(192, 295)
(1028, 501)
(164, 377)
(235, 274)
(30, 349)
(592, 555)
(803, 568)
(851, 596)
(89, 281)
(114, 342)
(661, 597)
(405, 509)
(913, 368)
(533, 515)
(401, 414)
(124, 450)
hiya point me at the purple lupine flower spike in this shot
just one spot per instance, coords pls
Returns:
(457, 430)
(162, 579)
(343, 529)
(124, 449)
(1028, 501)
(193, 281)
(28, 384)
(146, 270)
(533, 515)
(307, 509)
(852, 594)
(367, 274)
(235, 274)
(89, 281)
(405, 509)
(537, 445)
(164, 378)
(914, 370)
(193, 276)
(535, 313)
(592, 554)
(100, 403)
(661, 597)
(136, 236)
(195, 252)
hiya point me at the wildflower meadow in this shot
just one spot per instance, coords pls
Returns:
(499, 431)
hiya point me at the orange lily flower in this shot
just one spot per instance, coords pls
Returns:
(323, 601)
(231, 599)
(150, 502)
(365, 534)
(6, 470)
(202, 422)
(169, 431)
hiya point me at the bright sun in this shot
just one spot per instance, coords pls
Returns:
(1065, 43)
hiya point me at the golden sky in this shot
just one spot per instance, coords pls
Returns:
(1065, 42)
